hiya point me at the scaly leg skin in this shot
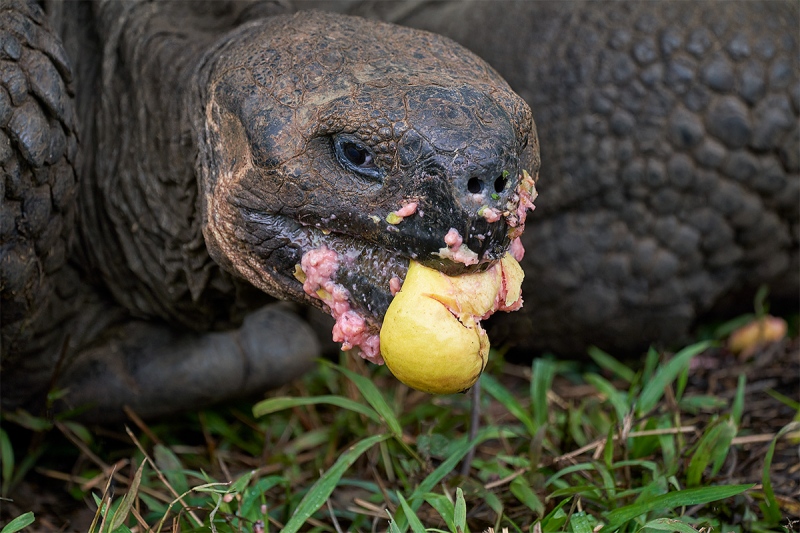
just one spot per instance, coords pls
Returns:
(156, 371)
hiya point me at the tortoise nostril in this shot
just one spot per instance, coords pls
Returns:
(474, 185)
(500, 184)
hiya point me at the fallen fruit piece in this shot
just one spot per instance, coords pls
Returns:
(746, 340)
(431, 338)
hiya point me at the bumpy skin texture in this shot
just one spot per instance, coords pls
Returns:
(670, 155)
(38, 149)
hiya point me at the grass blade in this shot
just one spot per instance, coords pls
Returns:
(28, 421)
(124, 508)
(724, 330)
(444, 507)
(723, 444)
(502, 395)
(19, 523)
(273, 405)
(525, 494)
(448, 465)
(669, 451)
(556, 518)
(240, 484)
(650, 364)
(771, 509)
(738, 401)
(785, 400)
(569, 470)
(666, 374)
(249, 507)
(413, 519)
(7, 457)
(617, 399)
(541, 380)
(606, 362)
(171, 466)
(442, 470)
(579, 523)
(586, 491)
(669, 524)
(374, 398)
(319, 493)
(392, 523)
(696, 404)
(216, 487)
(79, 430)
(681, 383)
(460, 511)
(671, 500)
(713, 446)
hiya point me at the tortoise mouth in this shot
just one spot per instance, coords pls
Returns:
(351, 278)
(368, 271)
(368, 268)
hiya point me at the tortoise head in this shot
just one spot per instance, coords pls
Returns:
(374, 142)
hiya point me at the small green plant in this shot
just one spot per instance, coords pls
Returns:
(560, 447)
(19, 523)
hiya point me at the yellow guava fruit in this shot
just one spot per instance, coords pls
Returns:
(431, 338)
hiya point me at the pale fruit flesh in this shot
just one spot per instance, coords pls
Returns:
(431, 338)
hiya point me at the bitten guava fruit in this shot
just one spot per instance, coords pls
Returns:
(431, 338)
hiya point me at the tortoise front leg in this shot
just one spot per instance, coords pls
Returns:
(156, 370)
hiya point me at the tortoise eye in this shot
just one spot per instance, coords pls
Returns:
(355, 156)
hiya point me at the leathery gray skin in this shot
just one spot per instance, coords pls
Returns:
(670, 178)
(172, 156)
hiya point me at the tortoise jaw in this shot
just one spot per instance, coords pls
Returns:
(348, 277)
(365, 271)
(373, 246)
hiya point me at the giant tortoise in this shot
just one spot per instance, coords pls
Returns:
(168, 165)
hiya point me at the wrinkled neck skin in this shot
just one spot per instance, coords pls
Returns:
(140, 225)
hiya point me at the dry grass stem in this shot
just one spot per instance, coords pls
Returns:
(163, 478)
(139, 423)
(507, 479)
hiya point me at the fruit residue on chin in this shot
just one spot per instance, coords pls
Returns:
(396, 217)
(455, 249)
(516, 214)
(395, 284)
(490, 214)
(316, 271)
(519, 205)
(517, 250)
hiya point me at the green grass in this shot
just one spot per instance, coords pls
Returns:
(561, 446)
